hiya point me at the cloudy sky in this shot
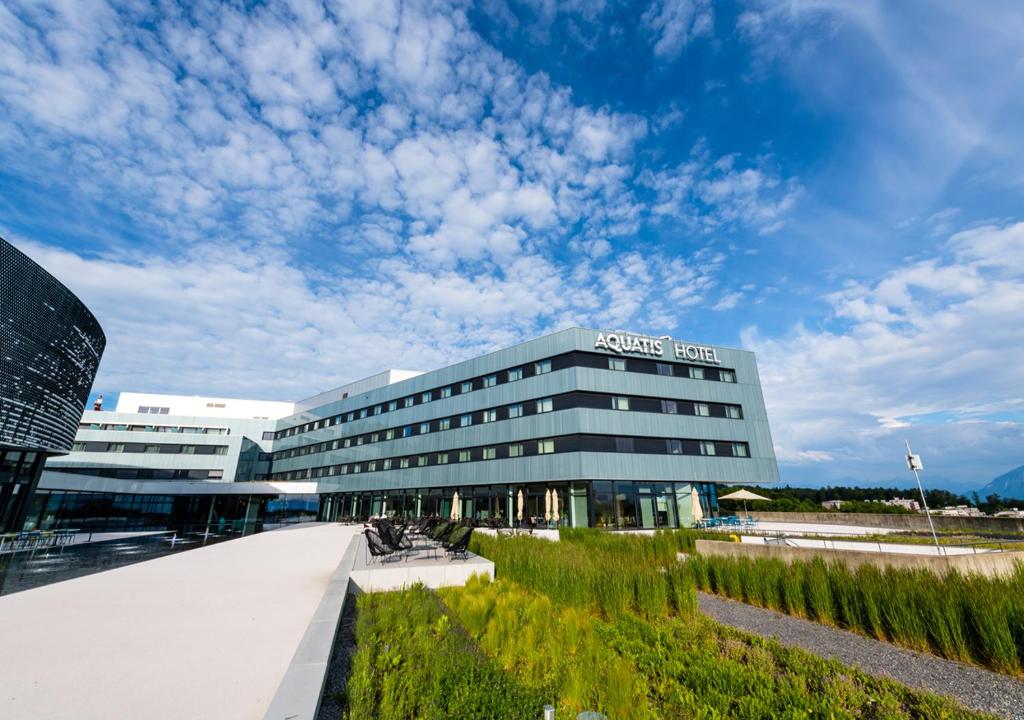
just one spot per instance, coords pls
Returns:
(267, 202)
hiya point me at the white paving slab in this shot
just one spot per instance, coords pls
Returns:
(207, 633)
(425, 565)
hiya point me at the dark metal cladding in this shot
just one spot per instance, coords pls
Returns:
(50, 349)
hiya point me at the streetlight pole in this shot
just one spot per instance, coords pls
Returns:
(915, 464)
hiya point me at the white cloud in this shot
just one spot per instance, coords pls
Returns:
(924, 351)
(674, 23)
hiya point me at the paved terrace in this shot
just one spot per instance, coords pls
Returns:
(208, 633)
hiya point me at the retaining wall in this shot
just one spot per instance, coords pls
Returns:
(898, 521)
(993, 563)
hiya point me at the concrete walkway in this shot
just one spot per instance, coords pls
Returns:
(207, 633)
(971, 686)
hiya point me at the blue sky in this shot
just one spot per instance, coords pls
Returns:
(270, 199)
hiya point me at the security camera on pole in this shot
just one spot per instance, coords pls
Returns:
(915, 464)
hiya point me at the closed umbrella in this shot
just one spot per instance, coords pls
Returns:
(547, 505)
(698, 511)
(455, 506)
(554, 507)
(743, 495)
(519, 506)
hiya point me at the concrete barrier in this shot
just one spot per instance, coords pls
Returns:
(899, 521)
(991, 564)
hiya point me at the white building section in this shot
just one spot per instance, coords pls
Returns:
(197, 406)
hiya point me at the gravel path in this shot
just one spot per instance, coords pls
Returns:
(973, 687)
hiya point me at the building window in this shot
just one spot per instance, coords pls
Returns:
(268, 435)
(387, 464)
(360, 440)
(407, 431)
(408, 402)
(403, 462)
(362, 413)
(707, 447)
(545, 447)
(620, 403)
(542, 367)
(515, 374)
(624, 444)
(615, 363)
(545, 405)
(357, 468)
(727, 376)
(467, 386)
(490, 380)
(374, 437)
(739, 449)
(424, 428)
(670, 407)
(427, 396)
(701, 409)
(444, 424)
(696, 373)
(515, 450)
(350, 417)
(389, 434)
(377, 409)
(731, 411)
(343, 469)
(446, 392)
(464, 456)
(490, 415)
(674, 447)
(490, 453)
(421, 461)
(372, 467)
(442, 458)
(215, 474)
(348, 442)
(392, 406)
(466, 420)
(515, 411)
(664, 368)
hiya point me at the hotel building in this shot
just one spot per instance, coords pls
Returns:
(579, 428)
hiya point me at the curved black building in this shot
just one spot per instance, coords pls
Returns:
(50, 349)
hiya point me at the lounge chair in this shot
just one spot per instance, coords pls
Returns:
(459, 545)
(376, 546)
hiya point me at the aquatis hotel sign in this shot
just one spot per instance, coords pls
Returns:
(623, 343)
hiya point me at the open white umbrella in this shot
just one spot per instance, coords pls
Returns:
(455, 506)
(519, 506)
(743, 495)
(547, 504)
(554, 506)
(698, 511)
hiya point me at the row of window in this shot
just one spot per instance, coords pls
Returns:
(565, 401)
(150, 410)
(154, 449)
(124, 427)
(541, 367)
(143, 473)
(562, 444)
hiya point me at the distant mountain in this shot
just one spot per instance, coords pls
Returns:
(1007, 485)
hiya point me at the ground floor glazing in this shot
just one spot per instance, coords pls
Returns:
(598, 503)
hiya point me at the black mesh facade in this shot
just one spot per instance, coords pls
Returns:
(50, 348)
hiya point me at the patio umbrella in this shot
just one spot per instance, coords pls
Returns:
(743, 495)
(547, 504)
(554, 506)
(455, 506)
(698, 511)
(519, 506)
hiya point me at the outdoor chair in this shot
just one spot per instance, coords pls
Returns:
(459, 546)
(376, 546)
(443, 531)
(395, 538)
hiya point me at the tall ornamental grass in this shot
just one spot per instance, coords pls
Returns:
(962, 617)
(612, 574)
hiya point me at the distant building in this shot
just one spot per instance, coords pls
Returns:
(912, 505)
(1011, 513)
(831, 504)
(960, 511)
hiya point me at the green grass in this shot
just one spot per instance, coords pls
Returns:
(412, 661)
(967, 618)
